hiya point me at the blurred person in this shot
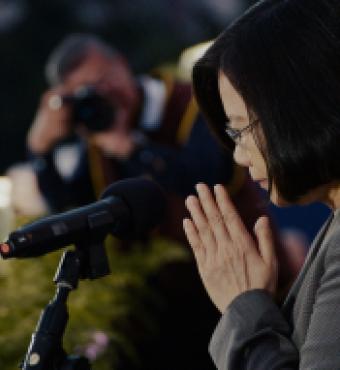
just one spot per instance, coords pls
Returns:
(270, 88)
(135, 125)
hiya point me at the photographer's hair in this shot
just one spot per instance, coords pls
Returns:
(283, 57)
(70, 53)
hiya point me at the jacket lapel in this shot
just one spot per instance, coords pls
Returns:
(317, 242)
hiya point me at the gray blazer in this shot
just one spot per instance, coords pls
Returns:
(255, 334)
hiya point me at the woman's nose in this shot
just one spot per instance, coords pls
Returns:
(241, 156)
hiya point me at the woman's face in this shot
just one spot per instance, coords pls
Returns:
(246, 153)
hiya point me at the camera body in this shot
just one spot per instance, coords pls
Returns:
(90, 109)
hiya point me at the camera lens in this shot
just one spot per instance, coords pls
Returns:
(92, 109)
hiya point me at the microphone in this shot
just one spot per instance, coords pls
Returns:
(127, 209)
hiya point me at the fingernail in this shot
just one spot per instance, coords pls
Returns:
(187, 200)
(259, 222)
(199, 186)
(217, 187)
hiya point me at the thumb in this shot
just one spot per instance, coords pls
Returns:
(265, 239)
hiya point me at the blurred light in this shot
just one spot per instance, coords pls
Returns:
(26, 199)
(6, 211)
(5, 191)
(188, 58)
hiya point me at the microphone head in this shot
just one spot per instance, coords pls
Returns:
(146, 202)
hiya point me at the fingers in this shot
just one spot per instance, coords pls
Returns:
(215, 217)
(212, 212)
(200, 221)
(193, 239)
(265, 239)
(228, 260)
(231, 218)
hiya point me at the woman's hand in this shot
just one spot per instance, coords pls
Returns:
(229, 260)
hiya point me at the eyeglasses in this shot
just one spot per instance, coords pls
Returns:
(236, 135)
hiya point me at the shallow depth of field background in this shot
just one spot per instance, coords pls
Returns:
(108, 316)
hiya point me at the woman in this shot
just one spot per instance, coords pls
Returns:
(271, 84)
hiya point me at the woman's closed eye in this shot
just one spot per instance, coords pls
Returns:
(235, 134)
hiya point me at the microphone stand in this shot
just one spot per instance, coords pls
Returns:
(45, 352)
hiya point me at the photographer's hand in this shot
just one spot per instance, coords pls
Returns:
(229, 260)
(51, 123)
(114, 143)
(118, 140)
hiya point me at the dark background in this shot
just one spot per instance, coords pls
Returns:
(149, 32)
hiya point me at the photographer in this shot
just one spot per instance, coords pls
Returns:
(99, 123)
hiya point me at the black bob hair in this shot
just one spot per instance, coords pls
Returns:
(283, 57)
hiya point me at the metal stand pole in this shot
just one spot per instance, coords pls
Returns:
(45, 351)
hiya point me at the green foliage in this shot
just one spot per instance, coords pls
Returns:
(118, 305)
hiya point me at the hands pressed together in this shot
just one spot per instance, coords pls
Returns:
(230, 260)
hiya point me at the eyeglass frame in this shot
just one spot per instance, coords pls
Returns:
(236, 135)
